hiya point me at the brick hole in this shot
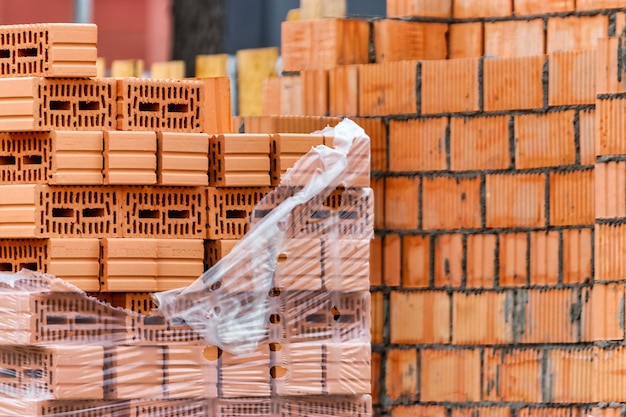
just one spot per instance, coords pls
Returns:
(282, 257)
(5, 53)
(148, 214)
(212, 353)
(274, 318)
(52, 320)
(316, 318)
(177, 108)
(275, 347)
(274, 292)
(32, 159)
(29, 265)
(8, 373)
(27, 52)
(6, 267)
(60, 105)
(278, 371)
(7, 160)
(93, 212)
(154, 320)
(85, 320)
(153, 107)
(336, 314)
(178, 214)
(88, 105)
(235, 214)
(62, 212)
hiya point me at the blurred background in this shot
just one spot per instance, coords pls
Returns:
(162, 30)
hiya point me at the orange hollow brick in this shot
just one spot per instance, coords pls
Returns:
(607, 369)
(451, 203)
(599, 4)
(572, 78)
(239, 160)
(513, 375)
(481, 261)
(610, 125)
(609, 245)
(516, 200)
(378, 187)
(130, 157)
(402, 374)
(425, 8)
(448, 267)
(513, 257)
(577, 248)
(465, 40)
(483, 318)
(315, 92)
(388, 88)
(570, 371)
(572, 198)
(479, 143)
(531, 7)
(397, 40)
(343, 94)
(544, 258)
(513, 83)
(545, 140)
(450, 375)
(514, 38)
(391, 260)
(610, 189)
(610, 66)
(376, 261)
(575, 32)
(426, 154)
(464, 9)
(378, 317)
(183, 159)
(415, 261)
(420, 317)
(419, 411)
(587, 136)
(606, 312)
(401, 203)
(489, 411)
(449, 86)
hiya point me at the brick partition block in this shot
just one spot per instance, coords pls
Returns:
(465, 40)
(513, 83)
(388, 88)
(77, 158)
(543, 140)
(577, 249)
(415, 261)
(576, 32)
(217, 105)
(423, 8)
(611, 126)
(25, 157)
(548, 316)
(516, 200)
(513, 257)
(343, 91)
(128, 265)
(481, 261)
(419, 411)
(609, 245)
(183, 159)
(531, 7)
(448, 267)
(396, 40)
(323, 43)
(479, 143)
(544, 258)
(450, 375)
(451, 203)
(33, 103)
(315, 92)
(160, 105)
(610, 66)
(130, 157)
(608, 379)
(48, 50)
(570, 372)
(420, 317)
(287, 149)
(572, 198)
(426, 154)
(572, 78)
(610, 189)
(465, 9)
(179, 262)
(402, 374)
(239, 160)
(512, 375)
(76, 261)
(450, 86)
(606, 313)
(514, 38)
(484, 318)
(401, 203)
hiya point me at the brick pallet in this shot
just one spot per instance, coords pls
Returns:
(497, 164)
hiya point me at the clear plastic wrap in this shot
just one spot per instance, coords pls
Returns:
(278, 327)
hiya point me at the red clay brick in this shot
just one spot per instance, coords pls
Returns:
(376, 130)
(315, 92)
(572, 78)
(481, 255)
(576, 32)
(611, 126)
(608, 380)
(487, 411)
(513, 83)
(448, 264)
(572, 198)
(463, 9)
(376, 261)
(544, 258)
(543, 140)
(609, 247)
(549, 412)
(397, 40)
(426, 154)
(547, 316)
(420, 317)
(450, 375)
(609, 71)
(323, 43)
(376, 367)
(401, 377)
(610, 189)
(415, 261)
(401, 201)
(451, 203)
(587, 123)
(530, 7)
(515, 200)
(378, 317)
(420, 411)
(514, 38)
(391, 260)
(343, 90)
(387, 88)
(479, 143)
(582, 5)
(465, 40)
(512, 375)
(422, 8)
(570, 371)
(604, 319)
(484, 318)
(450, 86)
(513, 259)
(378, 187)
(576, 256)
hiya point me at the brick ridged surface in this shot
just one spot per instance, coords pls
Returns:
(160, 105)
(32, 103)
(48, 50)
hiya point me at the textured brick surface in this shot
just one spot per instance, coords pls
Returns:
(450, 375)
(182, 159)
(387, 88)
(420, 317)
(130, 157)
(530, 7)
(513, 375)
(403, 8)
(426, 154)
(451, 203)
(575, 32)
(572, 198)
(450, 86)
(465, 40)
(514, 38)
(513, 83)
(483, 318)
(515, 200)
(483, 8)
(239, 160)
(572, 77)
(396, 40)
(478, 143)
(416, 261)
(544, 140)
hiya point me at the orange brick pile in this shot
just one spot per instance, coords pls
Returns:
(498, 164)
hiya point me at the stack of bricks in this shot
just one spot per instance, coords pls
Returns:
(128, 186)
(497, 127)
